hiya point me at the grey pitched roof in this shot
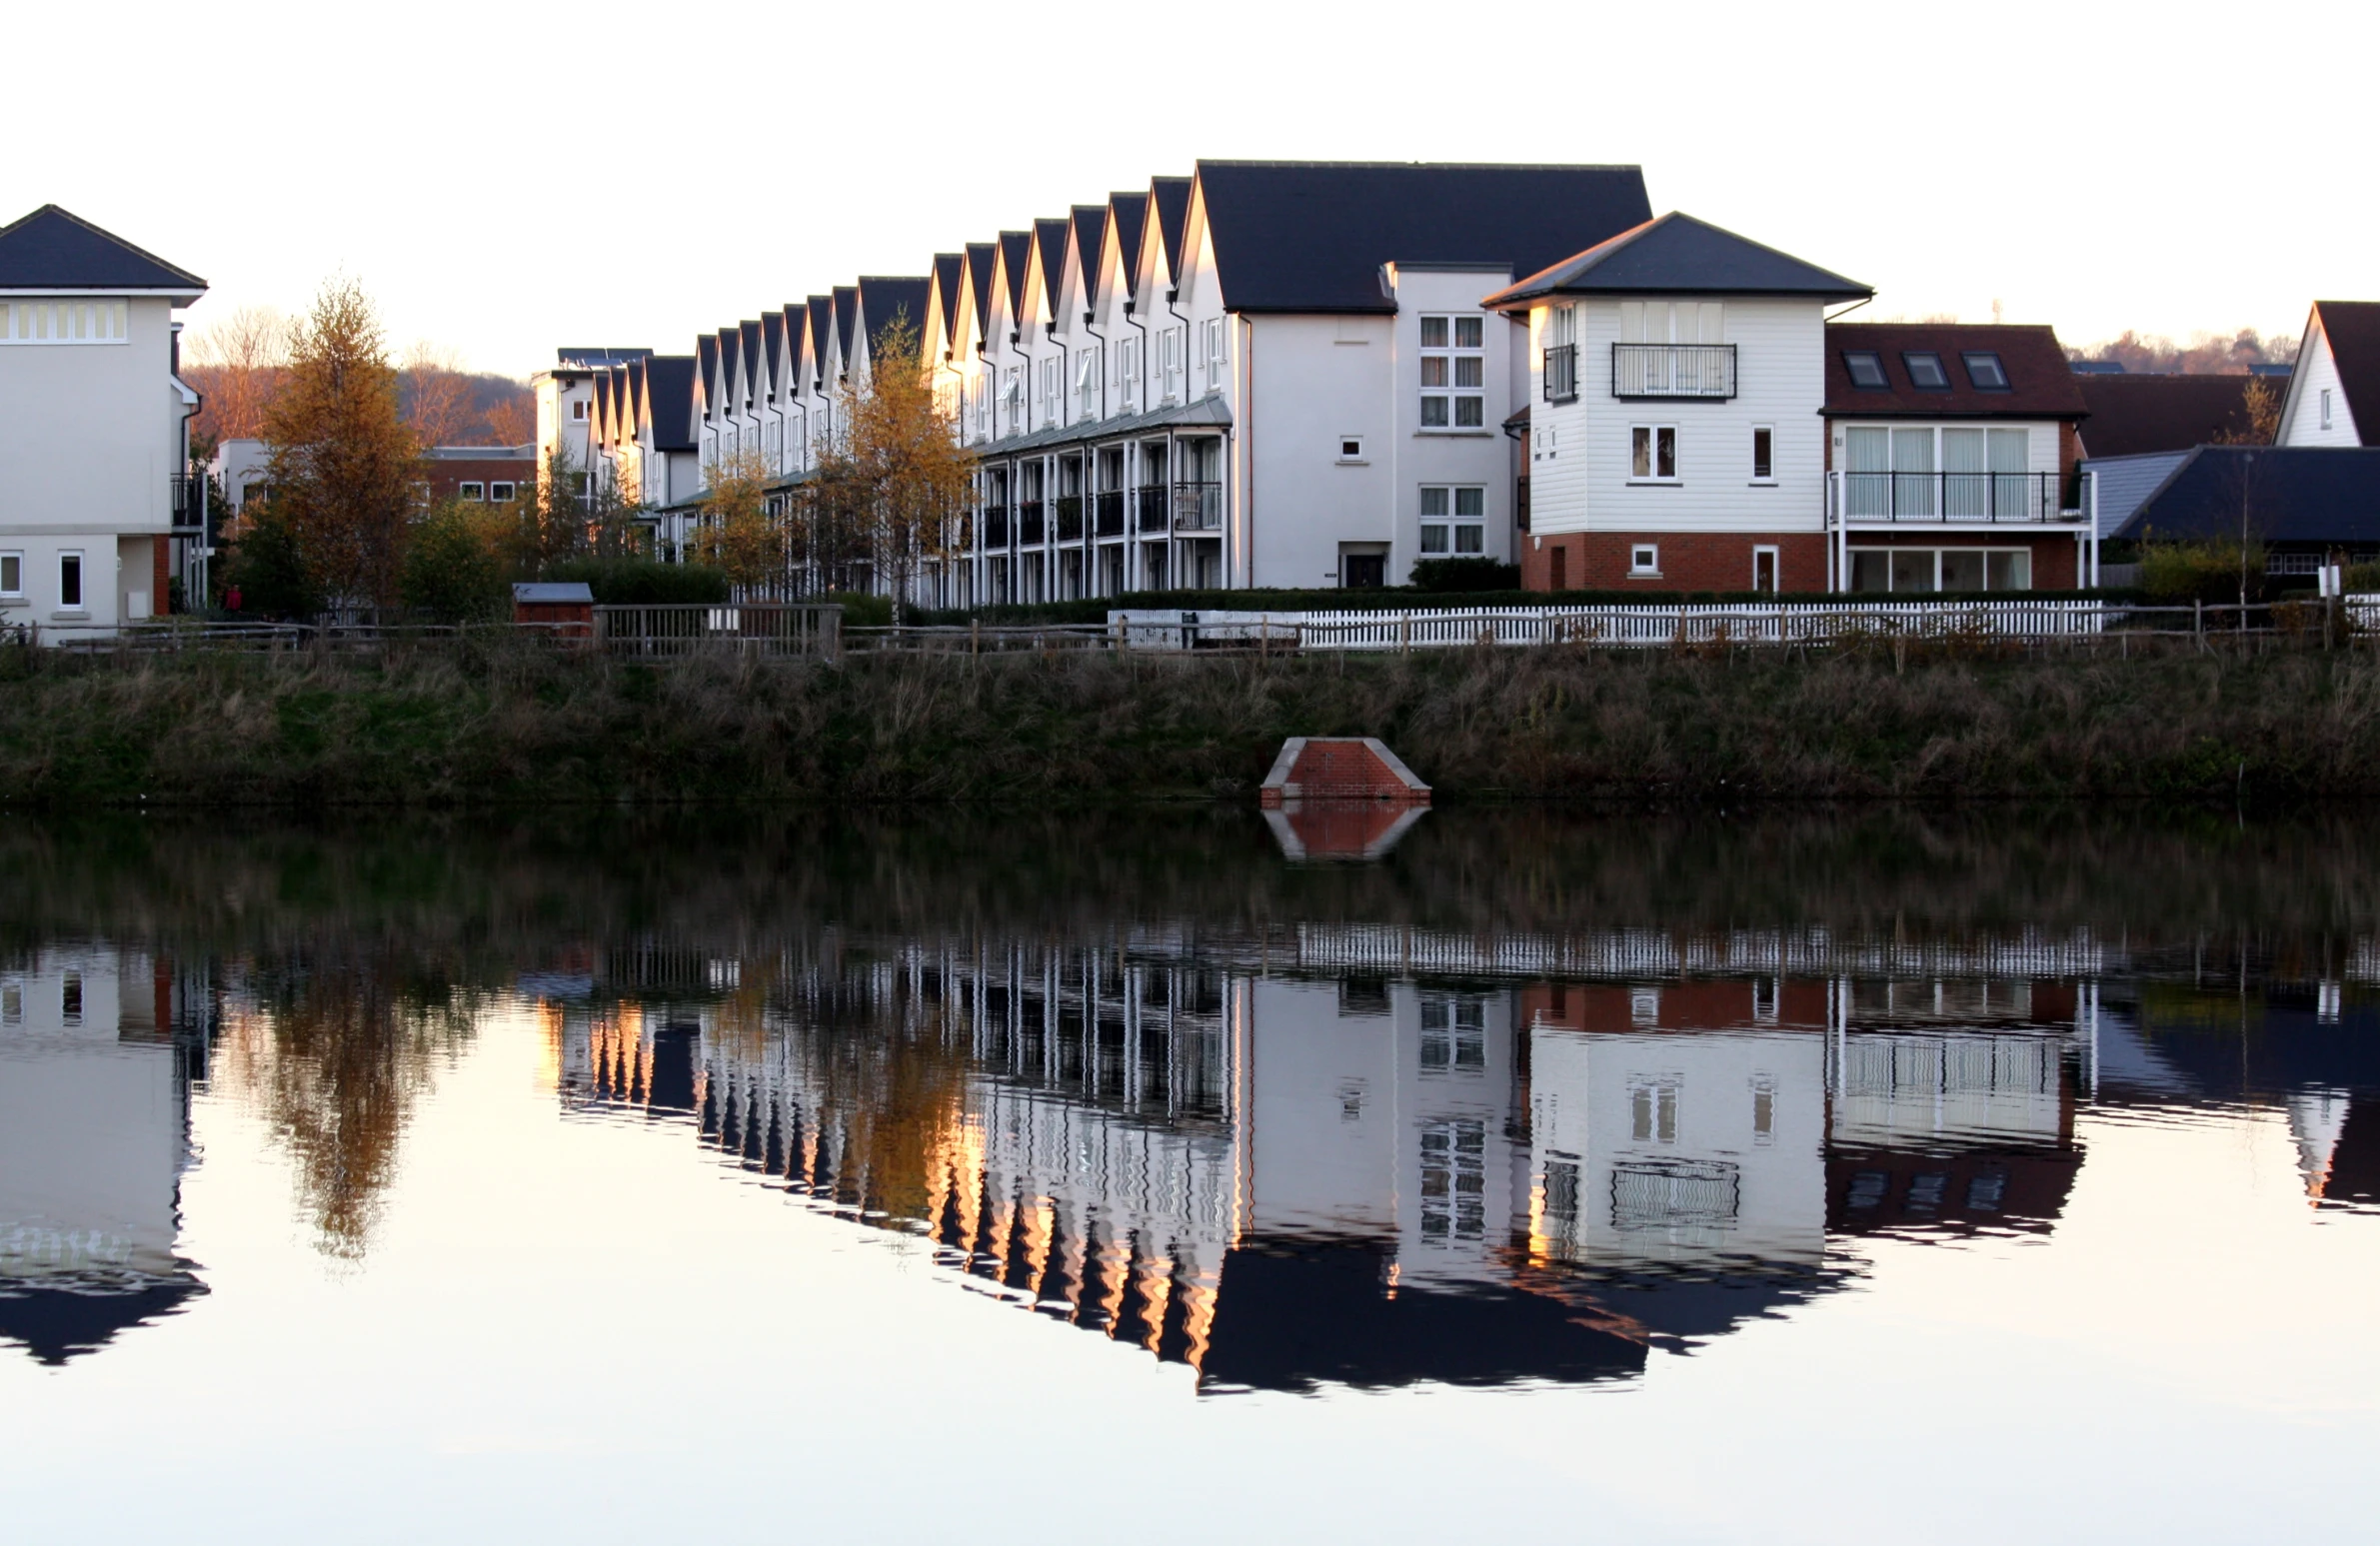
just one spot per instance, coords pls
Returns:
(1169, 198)
(668, 398)
(771, 342)
(705, 353)
(1014, 248)
(2303, 494)
(749, 365)
(1091, 233)
(979, 279)
(822, 322)
(1132, 218)
(797, 328)
(1300, 235)
(51, 249)
(946, 267)
(885, 296)
(1048, 239)
(847, 310)
(1679, 255)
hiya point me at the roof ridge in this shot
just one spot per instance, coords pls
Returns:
(63, 212)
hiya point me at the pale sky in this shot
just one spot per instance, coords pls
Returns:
(507, 178)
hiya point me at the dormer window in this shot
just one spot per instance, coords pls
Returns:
(1866, 368)
(1984, 371)
(1925, 369)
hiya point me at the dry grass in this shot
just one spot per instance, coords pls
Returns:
(518, 723)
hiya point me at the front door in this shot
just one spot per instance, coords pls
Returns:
(1764, 570)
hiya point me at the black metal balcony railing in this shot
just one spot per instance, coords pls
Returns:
(1561, 373)
(1108, 513)
(1904, 497)
(1029, 524)
(190, 513)
(1673, 370)
(1198, 507)
(1069, 518)
(1149, 500)
(996, 525)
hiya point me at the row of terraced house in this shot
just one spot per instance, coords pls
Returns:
(1302, 375)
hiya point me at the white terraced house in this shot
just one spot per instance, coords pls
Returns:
(94, 425)
(1262, 373)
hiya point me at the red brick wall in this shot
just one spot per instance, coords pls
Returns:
(160, 594)
(448, 477)
(1691, 561)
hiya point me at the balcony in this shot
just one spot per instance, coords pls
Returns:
(1901, 499)
(1029, 524)
(1108, 513)
(1198, 507)
(1069, 518)
(1150, 498)
(190, 505)
(1562, 373)
(1692, 372)
(996, 525)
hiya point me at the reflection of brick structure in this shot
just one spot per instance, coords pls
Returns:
(1869, 1190)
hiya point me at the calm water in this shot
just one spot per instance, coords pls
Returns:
(1886, 1178)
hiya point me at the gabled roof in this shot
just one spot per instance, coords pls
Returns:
(1132, 218)
(2136, 414)
(2354, 329)
(1091, 234)
(2289, 494)
(822, 327)
(946, 267)
(1014, 248)
(1048, 239)
(53, 250)
(885, 296)
(749, 368)
(1169, 198)
(797, 328)
(979, 279)
(846, 311)
(771, 345)
(1299, 236)
(1679, 255)
(705, 353)
(669, 401)
(2040, 386)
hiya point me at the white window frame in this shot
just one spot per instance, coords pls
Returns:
(1644, 561)
(503, 493)
(578, 411)
(82, 582)
(1987, 552)
(1127, 373)
(1764, 479)
(1647, 437)
(1459, 533)
(1169, 362)
(12, 586)
(1776, 568)
(1086, 383)
(1351, 450)
(1215, 351)
(1450, 398)
(1012, 395)
(2326, 408)
(68, 319)
(474, 491)
(1050, 384)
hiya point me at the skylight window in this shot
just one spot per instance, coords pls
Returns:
(1925, 371)
(1866, 368)
(1983, 369)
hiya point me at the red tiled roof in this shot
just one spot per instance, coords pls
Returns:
(2135, 414)
(2041, 383)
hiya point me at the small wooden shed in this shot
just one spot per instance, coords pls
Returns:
(563, 610)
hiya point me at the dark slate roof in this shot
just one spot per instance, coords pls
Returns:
(2039, 384)
(847, 310)
(1049, 240)
(979, 279)
(1015, 247)
(705, 353)
(1091, 233)
(771, 348)
(749, 365)
(2134, 415)
(2353, 328)
(797, 326)
(668, 398)
(1132, 217)
(822, 322)
(2306, 495)
(1679, 255)
(947, 265)
(56, 1323)
(1169, 198)
(53, 250)
(881, 298)
(1312, 236)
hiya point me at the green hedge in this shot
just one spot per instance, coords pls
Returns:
(1406, 599)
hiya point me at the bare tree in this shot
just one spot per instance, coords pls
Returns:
(236, 364)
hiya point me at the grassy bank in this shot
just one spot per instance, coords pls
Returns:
(516, 723)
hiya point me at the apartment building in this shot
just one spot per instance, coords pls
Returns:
(94, 425)
(564, 395)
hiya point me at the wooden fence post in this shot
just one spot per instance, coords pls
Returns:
(1404, 633)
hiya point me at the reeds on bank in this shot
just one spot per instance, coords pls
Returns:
(519, 720)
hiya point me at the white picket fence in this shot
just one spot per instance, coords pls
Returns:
(1621, 626)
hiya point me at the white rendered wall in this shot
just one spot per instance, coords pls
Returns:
(1313, 382)
(1422, 456)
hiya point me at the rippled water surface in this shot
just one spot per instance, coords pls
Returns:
(1890, 1177)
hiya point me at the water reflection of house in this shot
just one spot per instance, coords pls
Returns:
(94, 1135)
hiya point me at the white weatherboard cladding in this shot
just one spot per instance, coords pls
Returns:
(1317, 380)
(2317, 373)
(1580, 455)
